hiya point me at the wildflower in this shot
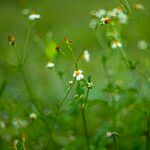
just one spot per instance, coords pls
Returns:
(90, 85)
(100, 13)
(25, 11)
(123, 18)
(17, 123)
(111, 134)
(15, 143)
(105, 20)
(142, 44)
(117, 10)
(34, 16)
(93, 23)
(11, 40)
(116, 44)
(86, 55)
(139, 6)
(111, 14)
(78, 75)
(50, 65)
(2, 124)
(33, 116)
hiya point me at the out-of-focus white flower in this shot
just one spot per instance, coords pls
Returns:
(110, 72)
(120, 14)
(2, 124)
(105, 20)
(50, 65)
(16, 141)
(108, 134)
(123, 18)
(116, 44)
(17, 123)
(26, 11)
(111, 134)
(100, 13)
(111, 14)
(93, 23)
(78, 75)
(142, 45)
(86, 55)
(34, 16)
(139, 6)
(117, 10)
(33, 116)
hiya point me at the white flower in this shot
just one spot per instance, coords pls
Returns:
(123, 18)
(50, 65)
(26, 11)
(139, 6)
(105, 20)
(109, 134)
(116, 44)
(33, 17)
(78, 75)
(2, 124)
(17, 123)
(117, 10)
(100, 13)
(93, 23)
(33, 116)
(142, 44)
(86, 55)
(111, 14)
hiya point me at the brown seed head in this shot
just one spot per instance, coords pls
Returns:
(11, 40)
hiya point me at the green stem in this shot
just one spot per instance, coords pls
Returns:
(84, 47)
(148, 132)
(6, 60)
(85, 129)
(114, 140)
(61, 105)
(84, 121)
(26, 42)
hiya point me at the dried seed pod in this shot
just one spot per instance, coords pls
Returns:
(67, 40)
(11, 40)
(58, 49)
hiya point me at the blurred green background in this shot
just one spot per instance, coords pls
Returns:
(71, 18)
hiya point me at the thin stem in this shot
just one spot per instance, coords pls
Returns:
(33, 100)
(26, 42)
(114, 140)
(85, 129)
(84, 47)
(109, 83)
(17, 54)
(148, 132)
(61, 104)
(6, 60)
(84, 121)
(72, 52)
